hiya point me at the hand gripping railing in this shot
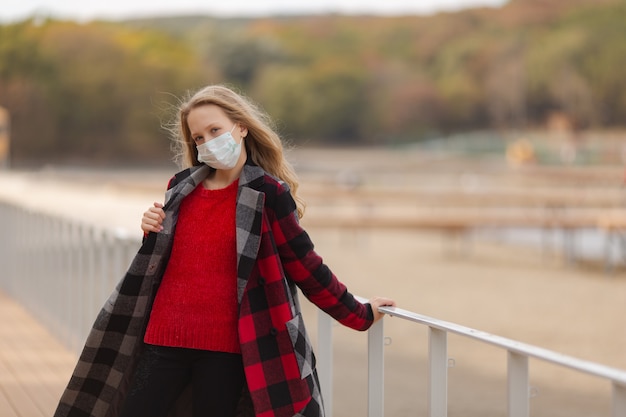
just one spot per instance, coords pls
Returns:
(517, 365)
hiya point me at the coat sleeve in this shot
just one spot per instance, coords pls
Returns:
(306, 268)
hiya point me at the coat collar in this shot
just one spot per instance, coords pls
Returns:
(252, 175)
(187, 180)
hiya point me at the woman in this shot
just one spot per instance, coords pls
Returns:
(207, 318)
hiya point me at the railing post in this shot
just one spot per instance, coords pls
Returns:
(618, 402)
(438, 373)
(75, 308)
(517, 366)
(105, 266)
(118, 261)
(376, 370)
(325, 359)
(89, 278)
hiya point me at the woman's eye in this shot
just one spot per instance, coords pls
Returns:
(197, 139)
(215, 130)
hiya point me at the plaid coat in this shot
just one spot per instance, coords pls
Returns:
(274, 255)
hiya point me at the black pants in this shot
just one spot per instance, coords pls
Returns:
(217, 380)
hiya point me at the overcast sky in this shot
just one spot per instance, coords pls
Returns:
(13, 10)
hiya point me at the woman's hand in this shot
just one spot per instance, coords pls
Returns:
(376, 302)
(152, 219)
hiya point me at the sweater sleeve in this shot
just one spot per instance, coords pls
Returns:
(306, 268)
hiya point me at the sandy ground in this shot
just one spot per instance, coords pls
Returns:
(513, 291)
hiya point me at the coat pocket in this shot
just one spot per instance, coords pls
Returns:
(301, 345)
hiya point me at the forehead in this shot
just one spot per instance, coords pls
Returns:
(206, 114)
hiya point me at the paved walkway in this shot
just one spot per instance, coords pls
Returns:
(34, 367)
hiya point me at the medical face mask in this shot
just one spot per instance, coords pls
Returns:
(221, 152)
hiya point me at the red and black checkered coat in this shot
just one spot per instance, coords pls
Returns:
(275, 255)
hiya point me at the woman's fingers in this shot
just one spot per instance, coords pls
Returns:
(382, 301)
(376, 302)
(153, 218)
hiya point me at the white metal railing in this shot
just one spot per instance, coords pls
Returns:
(518, 355)
(59, 269)
(63, 271)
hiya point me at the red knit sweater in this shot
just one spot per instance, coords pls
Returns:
(196, 304)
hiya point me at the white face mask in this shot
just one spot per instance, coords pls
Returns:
(221, 152)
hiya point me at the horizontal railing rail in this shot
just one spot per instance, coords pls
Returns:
(63, 271)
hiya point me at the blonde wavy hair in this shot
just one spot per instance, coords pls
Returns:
(263, 144)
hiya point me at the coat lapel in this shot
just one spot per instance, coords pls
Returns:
(175, 195)
(249, 216)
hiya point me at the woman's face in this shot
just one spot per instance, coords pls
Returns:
(209, 121)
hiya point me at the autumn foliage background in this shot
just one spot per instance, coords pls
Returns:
(102, 91)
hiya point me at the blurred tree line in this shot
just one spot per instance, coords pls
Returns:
(102, 90)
